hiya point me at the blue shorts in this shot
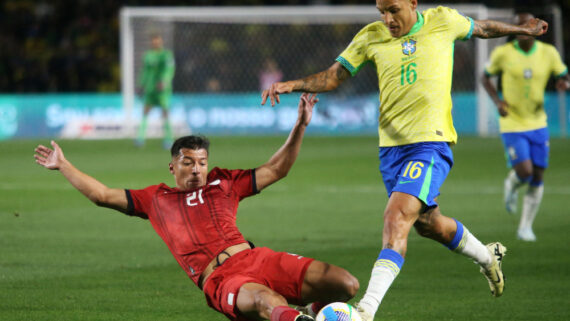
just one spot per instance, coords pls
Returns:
(417, 169)
(532, 144)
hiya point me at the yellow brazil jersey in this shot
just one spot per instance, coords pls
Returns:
(414, 75)
(524, 78)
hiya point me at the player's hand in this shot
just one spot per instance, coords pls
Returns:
(160, 86)
(536, 27)
(274, 91)
(48, 158)
(563, 84)
(306, 104)
(503, 109)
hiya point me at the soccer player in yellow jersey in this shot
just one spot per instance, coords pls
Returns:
(526, 65)
(413, 55)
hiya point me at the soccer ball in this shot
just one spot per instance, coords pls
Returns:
(338, 311)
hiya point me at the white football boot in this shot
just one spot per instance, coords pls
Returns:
(526, 235)
(365, 316)
(493, 272)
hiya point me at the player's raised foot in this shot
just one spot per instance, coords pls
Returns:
(365, 316)
(511, 197)
(526, 235)
(304, 317)
(493, 272)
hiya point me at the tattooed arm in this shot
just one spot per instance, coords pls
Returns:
(326, 80)
(494, 29)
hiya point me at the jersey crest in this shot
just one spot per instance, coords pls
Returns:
(527, 73)
(409, 47)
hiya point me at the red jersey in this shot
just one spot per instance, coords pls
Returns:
(197, 224)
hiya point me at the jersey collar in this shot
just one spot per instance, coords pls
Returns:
(417, 26)
(518, 48)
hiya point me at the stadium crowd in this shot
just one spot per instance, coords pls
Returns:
(73, 46)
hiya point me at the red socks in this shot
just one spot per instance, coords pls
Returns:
(317, 306)
(284, 313)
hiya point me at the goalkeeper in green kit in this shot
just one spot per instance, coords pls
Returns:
(155, 82)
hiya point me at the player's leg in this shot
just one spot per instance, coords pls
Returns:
(326, 283)
(164, 101)
(519, 175)
(400, 215)
(454, 235)
(401, 212)
(412, 175)
(517, 150)
(531, 204)
(539, 151)
(142, 127)
(259, 302)
(258, 284)
(523, 170)
(289, 278)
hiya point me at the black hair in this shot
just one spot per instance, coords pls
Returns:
(191, 142)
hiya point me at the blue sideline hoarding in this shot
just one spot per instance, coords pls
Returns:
(94, 116)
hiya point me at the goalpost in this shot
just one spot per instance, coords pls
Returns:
(222, 48)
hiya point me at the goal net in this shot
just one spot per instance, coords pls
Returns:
(226, 55)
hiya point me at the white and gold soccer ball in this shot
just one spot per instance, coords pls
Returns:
(338, 311)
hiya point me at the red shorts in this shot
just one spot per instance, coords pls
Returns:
(282, 272)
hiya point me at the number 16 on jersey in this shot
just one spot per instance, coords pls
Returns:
(408, 74)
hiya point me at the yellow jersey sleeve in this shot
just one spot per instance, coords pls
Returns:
(459, 26)
(559, 69)
(355, 55)
(494, 66)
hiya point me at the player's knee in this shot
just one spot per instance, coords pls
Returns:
(351, 286)
(424, 226)
(395, 221)
(537, 176)
(336, 281)
(392, 216)
(524, 173)
(423, 229)
(266, 300)
(347, 285)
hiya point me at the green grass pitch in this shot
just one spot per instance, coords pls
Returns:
(62, 258)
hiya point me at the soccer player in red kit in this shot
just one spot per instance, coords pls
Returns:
(197, 221)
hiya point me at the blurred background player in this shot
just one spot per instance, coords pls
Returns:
(156, 85)
(526, 65)
(413, 54)
(197, 221)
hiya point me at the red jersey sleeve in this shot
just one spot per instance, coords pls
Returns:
(140, 201)
(243, 181)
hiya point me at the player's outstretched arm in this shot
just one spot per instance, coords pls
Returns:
(493, 29)
(326, 80)
(502, 106)
(281, 162)
(94, 190)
